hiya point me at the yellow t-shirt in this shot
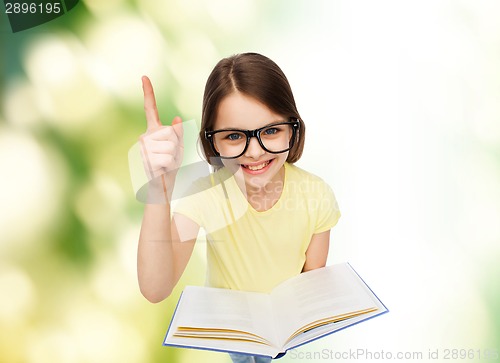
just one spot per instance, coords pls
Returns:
(254, 251)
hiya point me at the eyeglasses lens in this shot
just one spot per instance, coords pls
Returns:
(275, 139)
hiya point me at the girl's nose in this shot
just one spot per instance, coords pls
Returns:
(254, 149)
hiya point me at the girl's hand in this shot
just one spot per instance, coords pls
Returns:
(162, 147)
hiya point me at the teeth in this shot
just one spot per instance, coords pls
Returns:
(258, 167)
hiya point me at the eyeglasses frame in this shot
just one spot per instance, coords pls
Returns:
(255, 133)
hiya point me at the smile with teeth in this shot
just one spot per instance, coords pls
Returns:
(257, 167)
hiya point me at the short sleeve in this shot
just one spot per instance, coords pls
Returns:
(194, 202)
(327, 209)
(213, 204)
(189, 207)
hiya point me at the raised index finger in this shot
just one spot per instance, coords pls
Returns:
(152, 118)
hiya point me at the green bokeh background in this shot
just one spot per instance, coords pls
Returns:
(402, 105)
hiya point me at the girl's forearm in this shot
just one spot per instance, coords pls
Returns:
(155, 256)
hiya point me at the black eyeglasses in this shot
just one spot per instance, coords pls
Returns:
(274, 138)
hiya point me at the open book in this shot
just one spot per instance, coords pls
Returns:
(299, 310)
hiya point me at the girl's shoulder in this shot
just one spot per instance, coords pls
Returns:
(300, 180)
(295, 173)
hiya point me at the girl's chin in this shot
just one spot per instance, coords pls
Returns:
(251, 181)
(260, 181)
(254, 181)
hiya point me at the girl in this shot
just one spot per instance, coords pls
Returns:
(266, 220)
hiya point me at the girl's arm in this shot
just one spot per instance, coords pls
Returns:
(317, 252)
(162, 255)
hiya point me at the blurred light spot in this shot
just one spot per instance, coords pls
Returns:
(113, 285)
(205, 356)
(98, 72)
(18, 295)
(186, 102)
(124, 48)
(99, 202)
(230, 15)
(50, 61)
(13, 342)
(103, 8)
(191, 64)
(31, 189)
(127, 249)
(175, 16)
(50, 345)
(194, 59)
(102, 338)
(66, 92)
(20, 104)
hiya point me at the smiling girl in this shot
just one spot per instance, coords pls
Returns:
(266, 220)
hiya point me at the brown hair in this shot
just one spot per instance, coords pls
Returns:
(255, 76)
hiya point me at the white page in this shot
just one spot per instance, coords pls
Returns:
(318, 294)
(329, 328)
(203, 307)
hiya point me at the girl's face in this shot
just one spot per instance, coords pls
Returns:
(257, 166)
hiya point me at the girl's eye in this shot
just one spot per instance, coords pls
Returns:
(271, 131)
(233, 136)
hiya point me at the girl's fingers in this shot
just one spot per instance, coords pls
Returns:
(164, 133)
(162, 162)
(162, 147)
(179, 129)
(152, 118)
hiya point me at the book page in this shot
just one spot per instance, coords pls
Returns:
(221, 313)
(333, 291)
